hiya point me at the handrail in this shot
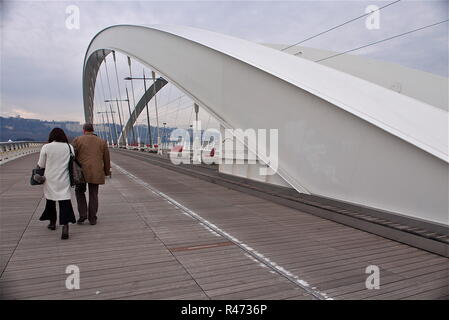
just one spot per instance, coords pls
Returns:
(11, 150)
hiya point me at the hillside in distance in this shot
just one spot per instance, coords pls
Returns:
(21, 129)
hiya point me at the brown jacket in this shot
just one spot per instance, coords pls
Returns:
(93, 154)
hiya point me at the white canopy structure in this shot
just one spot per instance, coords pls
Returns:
(340, 136)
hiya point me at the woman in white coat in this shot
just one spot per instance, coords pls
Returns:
(54, 157)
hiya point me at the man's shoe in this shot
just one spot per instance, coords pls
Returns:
(52, 225)
(93, 222)
(81, 220)
(65, 232)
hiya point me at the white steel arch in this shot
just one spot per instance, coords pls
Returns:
(340, 136)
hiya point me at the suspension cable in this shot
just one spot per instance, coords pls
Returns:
(190, 118)
(95, 117)
(379, 41)
(102, 128)
(170, 102)
(105, 132)
(157, 114)
(338, 26)
(164, 133)
(177, 112)
(105, 106)
(134, 99)
(121, 114)
(94, 102)
(184, 107)
(110, 95)
(207, 125)
(168, 99)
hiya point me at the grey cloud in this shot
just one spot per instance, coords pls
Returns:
(44, 57)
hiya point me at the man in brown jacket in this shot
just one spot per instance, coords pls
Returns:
(93, 154)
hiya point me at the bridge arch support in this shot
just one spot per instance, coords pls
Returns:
(340, 136)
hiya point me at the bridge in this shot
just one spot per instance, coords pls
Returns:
(168, 234)
(359, 184)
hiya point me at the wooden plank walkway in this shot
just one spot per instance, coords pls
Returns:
(142, 248)
(145, 247)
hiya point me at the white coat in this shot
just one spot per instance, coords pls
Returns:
(54, 157)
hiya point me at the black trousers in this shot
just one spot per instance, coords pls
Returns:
(85, 210)
(66, 213)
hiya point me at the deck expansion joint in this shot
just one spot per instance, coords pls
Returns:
(199, 247)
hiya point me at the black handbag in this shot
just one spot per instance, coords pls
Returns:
(75, 170)
(37, 171)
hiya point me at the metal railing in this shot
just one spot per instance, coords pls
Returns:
(15, 149)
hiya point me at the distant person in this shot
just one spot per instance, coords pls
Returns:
(93, 154)
(54, 157)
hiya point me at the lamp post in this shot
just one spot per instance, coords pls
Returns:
(196, 139)
(130, 115)
(191, 137)
(107, 118)
(119, 117)
(104, 127)
(113, 120)
(144, 78)
(165, 135)
(123, 129)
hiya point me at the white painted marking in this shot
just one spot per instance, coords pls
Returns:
(260, 258)
(208, 229)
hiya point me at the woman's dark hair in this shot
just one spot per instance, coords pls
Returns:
(58, 135)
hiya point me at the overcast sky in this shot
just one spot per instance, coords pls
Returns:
(41, 60)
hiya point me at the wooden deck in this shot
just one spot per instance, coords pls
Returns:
(165, 235)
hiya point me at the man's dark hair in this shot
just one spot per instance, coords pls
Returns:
(89, 127)
(58, 135)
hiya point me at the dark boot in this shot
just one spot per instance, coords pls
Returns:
(65, 232)
(81, 220)
(52, 225)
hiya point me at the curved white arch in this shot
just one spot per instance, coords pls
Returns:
(339, 136)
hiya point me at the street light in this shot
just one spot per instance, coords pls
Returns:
(144, 78)
(165, 135)
(113, 119)
(119, 116)
(146, 104)
(129, 110)
(191, 136)
(107, 118)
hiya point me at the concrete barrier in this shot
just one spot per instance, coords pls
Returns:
(13, 150)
